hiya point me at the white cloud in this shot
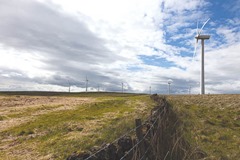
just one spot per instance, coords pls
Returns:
(185, 5)
(229, 34)
(222, 64)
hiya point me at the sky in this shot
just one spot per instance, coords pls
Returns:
(49, 45)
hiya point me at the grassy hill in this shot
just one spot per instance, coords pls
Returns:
(54, 125)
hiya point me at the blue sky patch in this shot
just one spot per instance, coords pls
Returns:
(156, 61)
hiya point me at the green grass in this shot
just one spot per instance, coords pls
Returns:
(2, 117)
(30, 111)
(59, 133)
(211, 122)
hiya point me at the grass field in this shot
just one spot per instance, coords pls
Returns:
(211, 122)
(52, 125)
(43, 125)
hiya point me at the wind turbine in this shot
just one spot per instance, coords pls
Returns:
(69, 87)
(122, 87)
(169, 83)
(202, 38)
(189, 89)
(86, 84)
(98, 87)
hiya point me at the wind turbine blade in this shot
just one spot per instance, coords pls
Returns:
(203, 26)
(197, 27)
(195, 49)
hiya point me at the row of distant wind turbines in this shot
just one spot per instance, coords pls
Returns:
(86, 82)
(169, 82)
(199, 36)
(69, 85)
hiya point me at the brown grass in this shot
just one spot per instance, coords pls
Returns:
(53, 127)
(21, 109)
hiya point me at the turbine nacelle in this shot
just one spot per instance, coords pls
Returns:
(202, 37)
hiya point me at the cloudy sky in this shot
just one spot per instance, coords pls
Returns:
(47, 44)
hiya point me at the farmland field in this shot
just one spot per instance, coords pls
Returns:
(54, 126)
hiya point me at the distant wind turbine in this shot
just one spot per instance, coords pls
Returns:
(169, 83)
(86, 84)
(122, 87)
(202, 38)
(69, 87)
(189, 90)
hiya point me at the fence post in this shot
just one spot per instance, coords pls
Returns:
(139, 135)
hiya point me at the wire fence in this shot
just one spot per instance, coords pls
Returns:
(140, 141)
(116, 140)
(131, 131)
(135, 147)
(158, 137)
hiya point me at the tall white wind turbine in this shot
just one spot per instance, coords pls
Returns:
(202, 38)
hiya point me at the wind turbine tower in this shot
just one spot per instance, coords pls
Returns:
(169, 83)
(86, 84)
(202, 38)
(122, 87)
(69, 87)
